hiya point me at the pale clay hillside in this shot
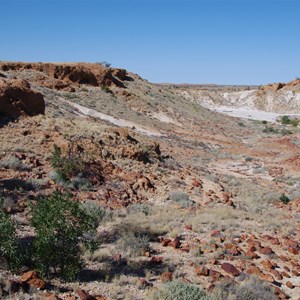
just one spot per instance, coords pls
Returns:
(116, 188)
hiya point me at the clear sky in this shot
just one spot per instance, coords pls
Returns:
(216, 41)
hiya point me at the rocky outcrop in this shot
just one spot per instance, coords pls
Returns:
(293, 85)
(17, 99)
(274, 87)
(79, 73)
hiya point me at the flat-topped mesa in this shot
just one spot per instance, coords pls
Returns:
(18, 99)
(94, 74)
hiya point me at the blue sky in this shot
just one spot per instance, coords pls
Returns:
(217, 41)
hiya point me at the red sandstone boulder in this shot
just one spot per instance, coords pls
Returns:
(175, 243)
(83, 295)
(290, 285)
(266, 277)
(265, 250)
(230, 269)
(166, 276)
(268, 265)
(201, 271)
(32, 278)
(17, 99)
(276, 274)
(253, 270)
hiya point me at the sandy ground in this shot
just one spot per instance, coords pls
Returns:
(247, 113)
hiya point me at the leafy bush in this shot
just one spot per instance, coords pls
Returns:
(285, 120)
(284, 199)
(181, 291)
(66, 166)
(9, 250)
(60, 226)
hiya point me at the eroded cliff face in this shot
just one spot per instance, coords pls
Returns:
(62, 76)
(282, 98)
(18, 99)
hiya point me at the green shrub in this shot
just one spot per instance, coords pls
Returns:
(97, 212)
(284, 199)
(133, 243)
(9, 250)
(295, 122)
(12, 162)
(67, 166)
(269, 129)
(60, 226)
(139, 208)
(106, 89)
(251, 288)
(176, 290)
(181, 199)
(285, 120)
(285, 131)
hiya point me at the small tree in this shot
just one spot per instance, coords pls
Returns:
(60, 225)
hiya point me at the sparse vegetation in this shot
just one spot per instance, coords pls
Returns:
(133, 243)
(286, 120)
(181, 199)
(294, 122)
(106, 89)
(177, 290)
(9, 249)
(105, 64)
(270, 129)
(251, 288)
(67, 166)
(12, 162)
(167, 204)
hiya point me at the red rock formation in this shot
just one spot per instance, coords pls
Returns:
(17, 99)
(80, 73)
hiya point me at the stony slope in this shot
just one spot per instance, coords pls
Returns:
(204, 187)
